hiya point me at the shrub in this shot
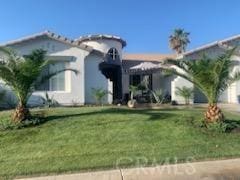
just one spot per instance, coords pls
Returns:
(185, 92)
(37, 119)
(49, 102)
(99, 94)
(174, 103)
(196, 122)
(218, 127)
(158, 95)
(232, 125)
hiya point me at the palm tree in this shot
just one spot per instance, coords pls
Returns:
(211, 76)
(99, 94)
(133, 89)
(179, 40)
(185, 92)
(23, 75)
(132, 102)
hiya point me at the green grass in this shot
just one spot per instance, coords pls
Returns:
(79, 139)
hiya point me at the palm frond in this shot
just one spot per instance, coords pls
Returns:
(9, 57)
(179, 40)
(209, 75)
(234, 77)
(7, 51)
(182, 64)
(6, 74)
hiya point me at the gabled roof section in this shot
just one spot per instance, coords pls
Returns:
(101, 36)
(209, 45)
(148, 57)
(50, 35)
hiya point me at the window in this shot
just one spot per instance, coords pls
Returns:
(57, 82)
(113, 53)
(135, 80)
(145, 80)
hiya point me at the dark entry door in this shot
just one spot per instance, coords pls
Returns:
(114, 73)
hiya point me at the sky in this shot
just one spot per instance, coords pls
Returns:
(144, 24)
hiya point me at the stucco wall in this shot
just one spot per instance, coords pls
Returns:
(165, 83)
(211, 52)
(94, 78)
(156, 81)
(104, 45)
(234, 89)
(75, 92)
(125, 83)
(179, 82)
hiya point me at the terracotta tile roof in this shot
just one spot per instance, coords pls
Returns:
(49, 35)
(148, 57)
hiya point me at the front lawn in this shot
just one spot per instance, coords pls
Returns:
(75, 139)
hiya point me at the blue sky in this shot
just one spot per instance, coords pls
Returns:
(144, 24)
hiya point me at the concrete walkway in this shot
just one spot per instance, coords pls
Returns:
(208, 170)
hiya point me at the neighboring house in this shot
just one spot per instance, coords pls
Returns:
(232, 94)
(102, 64)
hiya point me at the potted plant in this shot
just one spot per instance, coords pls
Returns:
(132, 102)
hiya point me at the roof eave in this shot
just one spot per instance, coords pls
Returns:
(50, 35)
(210, 45)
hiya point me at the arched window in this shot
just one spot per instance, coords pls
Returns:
(113, 53)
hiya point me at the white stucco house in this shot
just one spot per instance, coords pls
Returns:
(102, 64)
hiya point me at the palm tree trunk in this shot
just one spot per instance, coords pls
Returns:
(186, 101)
(131, 96)
(21, 113)
(213, 114)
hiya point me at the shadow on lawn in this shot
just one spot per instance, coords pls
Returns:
(154, 115)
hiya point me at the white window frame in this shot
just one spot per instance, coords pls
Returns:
(114, 54)
(67, 80)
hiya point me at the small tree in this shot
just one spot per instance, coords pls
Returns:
(186, 93)
(99, 94)
(23, 75)
(133, 89)
(132, 102)
(211, 76)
